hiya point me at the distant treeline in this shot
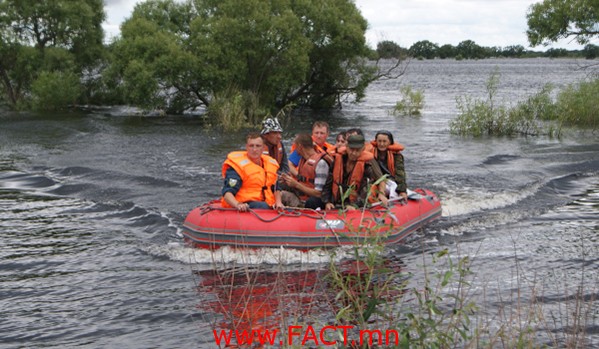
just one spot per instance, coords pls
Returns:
(468, 49)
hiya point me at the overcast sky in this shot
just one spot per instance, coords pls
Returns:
(486, 22)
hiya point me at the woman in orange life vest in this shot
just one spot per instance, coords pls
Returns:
(271, 134)
(341, 140)
(313, 172)
(354, 168)
(388, 154)
(250, 178)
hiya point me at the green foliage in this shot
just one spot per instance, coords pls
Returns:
(591, 51)
(478, 117)
(186, 53)
(470, 50)
(530, 114)
(552, 20)
(411, 103)
(41, 37)
(389, 49)
(234, 109)
(19, 67)
(54, 91)
(425, 49)
(369, 292)
(576, 105)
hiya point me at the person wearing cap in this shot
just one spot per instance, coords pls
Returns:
(388, 155)
(313, 172)
(355, 171)
(250, 178)
(271, 134)
(358, 131)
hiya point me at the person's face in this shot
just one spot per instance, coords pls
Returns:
(320, 134)
(354, 153)
(341, 141)
(272, 137)
(254, 147)
(382, 142)
(300, 150)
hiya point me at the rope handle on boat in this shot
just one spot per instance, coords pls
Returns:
(291, 212)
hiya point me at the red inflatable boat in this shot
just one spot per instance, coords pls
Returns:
(212, 226)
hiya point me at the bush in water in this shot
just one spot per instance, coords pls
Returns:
(55, 90)
(411, 102)
(576, 105)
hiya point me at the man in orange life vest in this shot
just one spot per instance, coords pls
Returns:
(354, 170)
(271, 134)
(313, 172)
(250, 178)
(320, 133)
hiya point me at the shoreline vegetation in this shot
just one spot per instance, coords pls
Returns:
(235, 62)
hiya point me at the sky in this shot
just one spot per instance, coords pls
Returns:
(486, 22)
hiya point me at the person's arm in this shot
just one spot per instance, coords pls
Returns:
(374, 173)
(278, 203)
(231, 186)
(230, 199)
(400, 176)
(327, 191)
(284, 165)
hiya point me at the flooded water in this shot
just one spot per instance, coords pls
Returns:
(91, 206)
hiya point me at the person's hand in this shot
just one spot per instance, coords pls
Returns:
(350, 208)
(384, 200)
(242, 207)
(329, 206)
(403, 195)
(289, 180)
(278, 206)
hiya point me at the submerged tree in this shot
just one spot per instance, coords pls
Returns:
(552, 20)
(51, 40)
(179, 55)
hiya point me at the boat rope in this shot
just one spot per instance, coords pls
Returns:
(294, 212)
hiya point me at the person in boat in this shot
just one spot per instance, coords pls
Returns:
(313, 171)
(341, 140)
(358, 131)
(388, 155)
(320, 133)
(271, 135)
(355, 171)
(250, 178)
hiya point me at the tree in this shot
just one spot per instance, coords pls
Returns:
(389, 49)
(177, 55)
(470, 50)
(552, 20)
(424, 48)
(591, 51)
(46, 36)
(513, 51)
(446, 51)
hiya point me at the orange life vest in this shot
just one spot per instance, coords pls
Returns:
(256, 180)
(330, 148)
(392, 149)
(355, 178)
(277, 152)
(307, 170)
